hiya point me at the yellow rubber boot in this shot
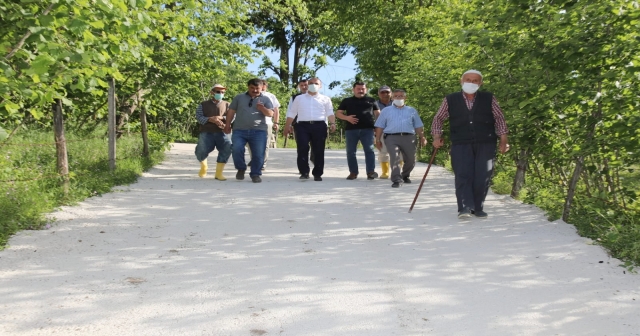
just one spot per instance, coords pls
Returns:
(203, 168)
(219, 169)
(385, 170)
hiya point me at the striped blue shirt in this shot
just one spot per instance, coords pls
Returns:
(395, 119)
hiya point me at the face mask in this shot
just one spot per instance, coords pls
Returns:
(314, 87)
(218, 96)
(398, 102)
(470, 88)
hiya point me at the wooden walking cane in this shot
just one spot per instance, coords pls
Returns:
(435, 150)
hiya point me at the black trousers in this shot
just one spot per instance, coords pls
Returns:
(473, 166)
(315, 135)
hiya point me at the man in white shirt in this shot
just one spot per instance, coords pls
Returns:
(272, 123)
(312, 110)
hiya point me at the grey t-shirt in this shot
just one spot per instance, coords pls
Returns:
(248, 117)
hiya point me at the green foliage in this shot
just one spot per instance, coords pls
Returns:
(30, 186)
(564, 73)
(301, 27)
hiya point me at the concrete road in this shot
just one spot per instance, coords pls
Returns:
(178, 255)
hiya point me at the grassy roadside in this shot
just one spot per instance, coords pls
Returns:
(30, 186)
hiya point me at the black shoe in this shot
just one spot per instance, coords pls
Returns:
(317, 178)
(480, 214)
(256, 179)
(465, 213)
(352, 176)
(406, 180)
(240, 175)
(304, 176)
(372, 175)
(395, 185)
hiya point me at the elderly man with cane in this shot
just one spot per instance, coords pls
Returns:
(476, 122)
(400, 124)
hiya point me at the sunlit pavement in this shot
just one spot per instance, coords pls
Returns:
(175, 254)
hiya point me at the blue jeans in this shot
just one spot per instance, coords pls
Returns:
(257, 140)
(365, 136)
(208, 141)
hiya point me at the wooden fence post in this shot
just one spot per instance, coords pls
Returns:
(145, 136)
(111, 101)
(61, 145)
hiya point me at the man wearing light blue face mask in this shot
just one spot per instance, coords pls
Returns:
(476, 122)
(211, 116)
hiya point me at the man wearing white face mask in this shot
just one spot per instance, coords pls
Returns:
(400, 124)
(211, 116)
(312, 109)
(476, 123)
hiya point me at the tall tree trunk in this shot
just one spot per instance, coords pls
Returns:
(297, 50)
(61, 145)
(611, 185)
(284, 56)
(518, 180)
(571, 191)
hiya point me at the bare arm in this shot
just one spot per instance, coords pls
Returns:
(230, 114)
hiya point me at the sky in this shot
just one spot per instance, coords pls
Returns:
(341, 70)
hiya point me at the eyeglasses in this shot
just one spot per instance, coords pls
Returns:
(218, 91)
(251, 102)
(385, 92)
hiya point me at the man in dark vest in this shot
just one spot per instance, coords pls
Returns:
(211, 116)
(476, 122)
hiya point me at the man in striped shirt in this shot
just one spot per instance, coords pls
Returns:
(476, 122)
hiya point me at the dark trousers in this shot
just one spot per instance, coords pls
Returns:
(473, 166)
(316, 135)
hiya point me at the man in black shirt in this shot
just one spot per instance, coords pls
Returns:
(359, 112)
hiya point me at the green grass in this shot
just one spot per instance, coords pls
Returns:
(31, 188)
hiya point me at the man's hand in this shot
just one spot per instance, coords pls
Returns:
(504, 147)
(227, 129)
(351, 119)
(423, 141)
(288, 129)
(378, 144)
(276, 126)
(261, 108)
(332, 128)
(437, 142)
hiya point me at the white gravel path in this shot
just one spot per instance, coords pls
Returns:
(178, 255)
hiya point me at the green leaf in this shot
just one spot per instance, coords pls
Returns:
(3, 134)
(97, 24)
(41, 64)
(12, 107)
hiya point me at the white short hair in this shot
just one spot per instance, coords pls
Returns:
(472, 71)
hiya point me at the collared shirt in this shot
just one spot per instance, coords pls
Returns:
(382, 105)
(248, 117)
(443, 114)
(274, 101)
(395, 119)
(311, 107)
